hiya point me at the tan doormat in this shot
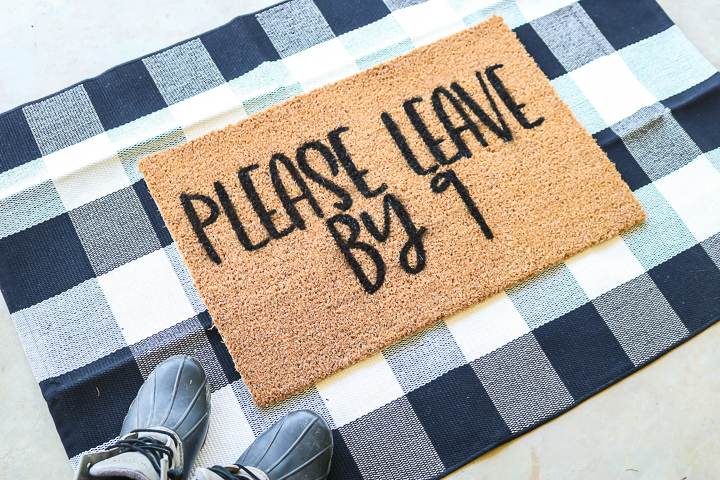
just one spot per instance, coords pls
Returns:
(326, 228)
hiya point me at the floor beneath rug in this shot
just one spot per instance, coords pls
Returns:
(659, 423)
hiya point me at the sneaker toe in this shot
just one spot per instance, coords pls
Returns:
(176, 395)
(298, 447)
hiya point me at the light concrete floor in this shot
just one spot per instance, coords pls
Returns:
(660, 423)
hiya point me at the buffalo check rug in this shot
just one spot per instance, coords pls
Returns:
(99, 294)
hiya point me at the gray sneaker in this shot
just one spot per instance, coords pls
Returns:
(163, 430)
(298, 447)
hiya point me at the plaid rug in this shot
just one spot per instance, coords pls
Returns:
(99, 295)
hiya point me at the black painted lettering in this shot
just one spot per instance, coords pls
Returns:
(262, 212)
(346, 200)
(287, 201)
(404, 147)
(199, 225)
(414, 234)
(455, 132)
(432, 143)
(508, 100)
(235, 222)
(347, 246)
(502, 131)
(442, 181)
(346, 161)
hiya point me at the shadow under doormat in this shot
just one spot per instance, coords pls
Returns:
(329, 227)
(99, 294)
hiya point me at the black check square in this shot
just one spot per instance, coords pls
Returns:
(227, 47)
(624, 23)
(17, 144)
(458, 415)
(124, 94)
(43, 261)
(89, 404)
(583, 351)
(344, 18)
(690, 281)
(697, 110)
(343, 466)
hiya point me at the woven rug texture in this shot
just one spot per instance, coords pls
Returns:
(99, 294)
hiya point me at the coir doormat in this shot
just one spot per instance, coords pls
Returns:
(326, 228)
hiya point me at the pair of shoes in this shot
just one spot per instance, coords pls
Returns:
(167, 423)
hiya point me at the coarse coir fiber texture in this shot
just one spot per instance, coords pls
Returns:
(483, 172)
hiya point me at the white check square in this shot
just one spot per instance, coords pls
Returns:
(612, 88)
(321, 64)
(359, 389)
(79, 156)
(426, 22)
(145, 296)
(86, 171)
(694, 193)
(603, 267)
(210, 110)
(229, 432)
(143, 130)
(486, 326)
